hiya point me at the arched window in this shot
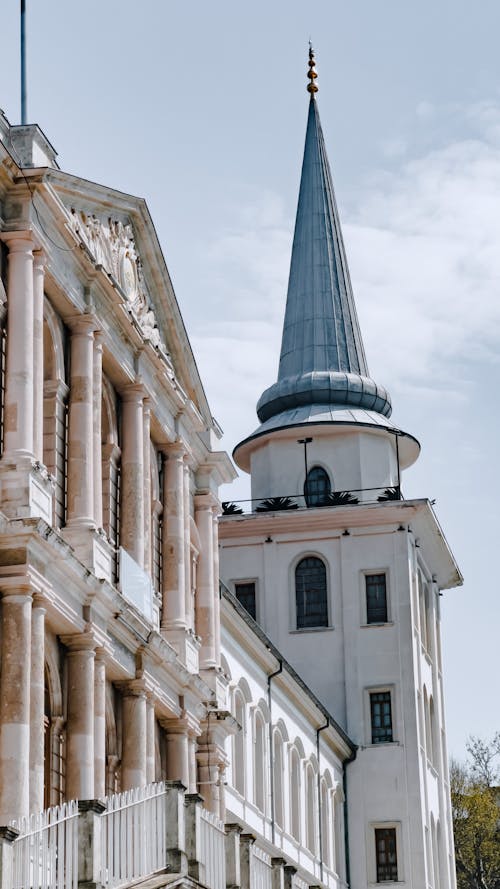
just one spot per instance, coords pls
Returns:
(310, 593)
(317, 487)
(278, 779)
(325, 823)
(260, 763)
(311, 809)
(295, 795)
(239, 745)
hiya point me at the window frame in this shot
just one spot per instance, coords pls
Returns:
(318, 627)
(393, 830)
(247, 580)
(371, 858)
(379, 689)
(383, 739)
(370, 572)
(324, 470)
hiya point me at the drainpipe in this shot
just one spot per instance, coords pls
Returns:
(271, 756)
(346, 822)
(320, 807)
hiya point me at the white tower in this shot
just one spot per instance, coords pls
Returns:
(342, 573)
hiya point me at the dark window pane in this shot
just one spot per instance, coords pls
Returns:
(381, 717)
(245, 593)
(376, 599)
(317, 486)
(386, 855)
(310, 593)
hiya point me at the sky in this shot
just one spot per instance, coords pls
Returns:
(201, 109)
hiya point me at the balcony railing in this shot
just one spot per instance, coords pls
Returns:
(354, 496)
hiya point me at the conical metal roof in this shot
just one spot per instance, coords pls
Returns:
(322, 357)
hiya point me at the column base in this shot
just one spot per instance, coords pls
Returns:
(186, 645)
(26, 488)
(92, 549)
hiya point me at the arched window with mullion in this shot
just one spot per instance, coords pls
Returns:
(317, 488)
(311, 597)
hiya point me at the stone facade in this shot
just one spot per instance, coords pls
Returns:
(121, 664)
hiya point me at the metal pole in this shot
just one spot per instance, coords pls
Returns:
(24, 108)
(305, 442)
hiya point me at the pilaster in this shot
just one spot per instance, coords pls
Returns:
(80, 657)
(134, 750)
(132, 474)
(37, 706)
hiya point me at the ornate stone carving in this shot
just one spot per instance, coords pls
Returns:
(111, 244)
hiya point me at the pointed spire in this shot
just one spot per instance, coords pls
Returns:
(322, 355)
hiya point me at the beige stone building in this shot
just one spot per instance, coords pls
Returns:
(112, 682)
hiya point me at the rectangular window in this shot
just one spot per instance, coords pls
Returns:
(245, 593)
(381, 717)
(386, 854)
(376, 598)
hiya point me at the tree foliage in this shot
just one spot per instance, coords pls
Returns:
(475, 799)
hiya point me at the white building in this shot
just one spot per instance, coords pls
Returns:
(339, 570)
(150, 728)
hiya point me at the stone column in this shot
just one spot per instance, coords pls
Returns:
(99, 725)
(215, 548)
(205, 601)
(132, 475)
(173, 615)
(15, 703)
(38, 376)
(177, 751)
(37, 706)
(147, 486)
(150, 740)
(80, 723)
(97, 455)
(20, 341)
(81, 425)
(187, 547)
(134, 737)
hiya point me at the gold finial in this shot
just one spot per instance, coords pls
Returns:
(311, 74)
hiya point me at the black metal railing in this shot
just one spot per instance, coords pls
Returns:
(382, 494)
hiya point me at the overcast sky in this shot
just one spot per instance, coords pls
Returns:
(201, 109)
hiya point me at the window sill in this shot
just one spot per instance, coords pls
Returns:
(383, 744)
(311, 630)
(387, 623)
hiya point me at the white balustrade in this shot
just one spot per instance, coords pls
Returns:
(45, 854)
(261, 869)
(299, 883)
(133, 834)
(212, 850)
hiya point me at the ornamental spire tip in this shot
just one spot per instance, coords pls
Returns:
(311, 74)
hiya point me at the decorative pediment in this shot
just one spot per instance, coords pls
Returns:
(111, 244)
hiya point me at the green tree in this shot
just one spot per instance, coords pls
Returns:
(475, 799)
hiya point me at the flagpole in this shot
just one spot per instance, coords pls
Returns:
(23, 63)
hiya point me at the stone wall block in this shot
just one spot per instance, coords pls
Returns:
(89, 843)
(233, 869)
(246, 842)
(196, 869)
(175, 819)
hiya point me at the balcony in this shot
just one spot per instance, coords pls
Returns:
(353, 497)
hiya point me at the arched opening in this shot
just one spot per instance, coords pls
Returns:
(239, 743)
(317, 487)
(54, 738)
(311, 593)
(295, 795)
(326, 843)
(278, 779)
(311, 809)
(259, 762)
(55, 410)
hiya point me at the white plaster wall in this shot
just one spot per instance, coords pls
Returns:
(354, 460)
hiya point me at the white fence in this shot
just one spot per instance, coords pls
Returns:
(133, 834)
(261, 869)
(212, 850)
(45, 855)
(299, 883)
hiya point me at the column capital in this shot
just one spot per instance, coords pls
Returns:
(132, 688)
(133, 392)
(80, 642)
(39, 259)
(15, 589)
(206, 501)
(83, 325)
(19, 241)
(176, 449)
